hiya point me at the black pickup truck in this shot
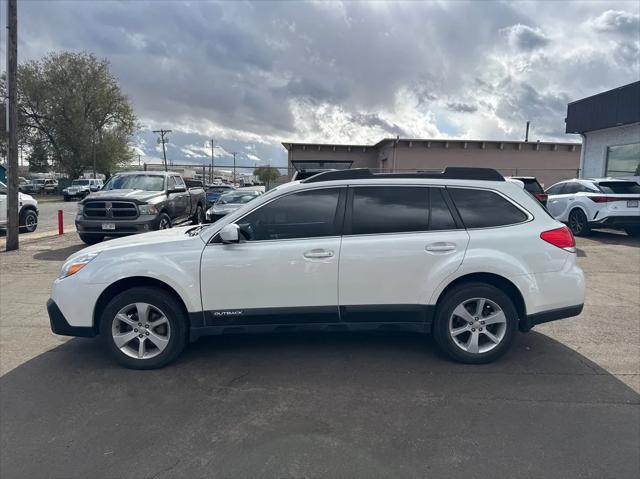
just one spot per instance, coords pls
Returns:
(137, 202)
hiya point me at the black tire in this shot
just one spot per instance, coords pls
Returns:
(456, 297)
(633, 230)
(159, 299)
(66, 198)
(28, 220)
(164, 222)
(578, 223)
(90, 239)
(198, 218)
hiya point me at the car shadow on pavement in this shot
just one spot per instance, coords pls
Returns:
(321, 405)
(613, 237)
(59, 254)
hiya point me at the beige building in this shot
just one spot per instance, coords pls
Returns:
(548, 161)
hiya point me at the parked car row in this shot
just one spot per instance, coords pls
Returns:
(81, 187)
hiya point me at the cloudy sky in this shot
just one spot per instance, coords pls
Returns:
(254, 74)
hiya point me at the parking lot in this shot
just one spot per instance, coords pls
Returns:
(564, 402)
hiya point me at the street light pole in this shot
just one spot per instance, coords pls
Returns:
(211, 172)
(12, 125)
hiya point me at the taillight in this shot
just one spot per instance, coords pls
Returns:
(604, 199)
(560, 237)
(541, 196)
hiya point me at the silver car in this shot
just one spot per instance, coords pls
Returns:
(230, 202)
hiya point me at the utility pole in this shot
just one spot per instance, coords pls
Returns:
(163, 140)
(93, 152)
(234, 167)
(212, 169)
(526, 135)
(12, 125)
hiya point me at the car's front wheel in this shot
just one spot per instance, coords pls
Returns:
(164, 222)
(144, 328)
(475, 323)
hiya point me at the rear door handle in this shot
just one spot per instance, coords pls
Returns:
(440, 247)
(318, 254)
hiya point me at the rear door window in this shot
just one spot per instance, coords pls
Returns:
(390, 209)
(531, 185)
(619, 187)
(485, 209)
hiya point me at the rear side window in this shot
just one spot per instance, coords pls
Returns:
(556, 189)
(385, 209)
(531, 185)
(619, 187)
(485, 209)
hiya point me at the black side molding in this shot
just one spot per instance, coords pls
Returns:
(59, 324)
(551, 315)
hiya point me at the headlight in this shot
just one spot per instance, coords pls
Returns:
(80, 208)
(74, 265)
(147, 210)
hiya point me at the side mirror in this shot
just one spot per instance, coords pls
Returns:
(177, 189)
(230, 234)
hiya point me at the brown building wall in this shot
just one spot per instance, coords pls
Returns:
(549, 162)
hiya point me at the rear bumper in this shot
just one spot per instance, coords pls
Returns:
(550, 315)
(616, 221)
(60, 325)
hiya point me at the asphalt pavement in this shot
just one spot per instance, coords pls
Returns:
(562, 403)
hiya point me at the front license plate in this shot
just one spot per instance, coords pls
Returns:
(109, 226)
(632, 204)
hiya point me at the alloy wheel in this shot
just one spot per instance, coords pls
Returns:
(576, 222)
(477, 325)
(141, 331)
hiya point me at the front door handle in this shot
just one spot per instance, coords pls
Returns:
(440, 247)
(318, 254)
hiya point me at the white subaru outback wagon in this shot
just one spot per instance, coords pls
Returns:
(463, 254)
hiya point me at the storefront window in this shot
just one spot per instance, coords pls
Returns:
(623, 160)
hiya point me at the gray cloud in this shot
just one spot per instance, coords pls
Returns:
(261, 72)
(618, 21)
(462, 107)
(523, 37)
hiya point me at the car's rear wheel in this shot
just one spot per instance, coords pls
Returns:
(475, 323)
(578, 223)
(90, 239)
(199, 218)
(144, 328)
(67, 198)
(28, 221)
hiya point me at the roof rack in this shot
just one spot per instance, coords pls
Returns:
(449, 173)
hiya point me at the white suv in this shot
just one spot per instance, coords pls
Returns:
(596, 203)
(463, 254)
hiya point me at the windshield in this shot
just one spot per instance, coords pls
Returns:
(619, 187)
(136, 182)
(239, 197)
(39, 182)
(219, 189)
(79, 182)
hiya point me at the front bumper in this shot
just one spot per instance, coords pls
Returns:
(60, 325)
(142, 224)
